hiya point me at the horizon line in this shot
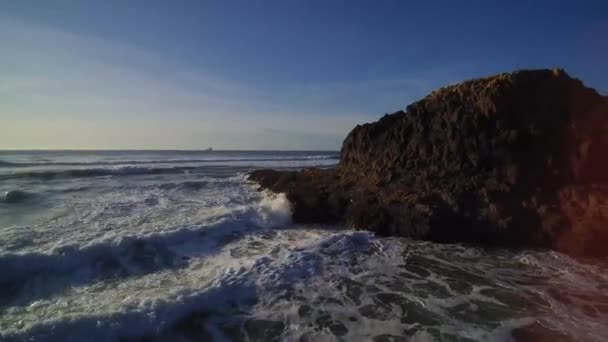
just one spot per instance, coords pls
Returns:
(155, 150)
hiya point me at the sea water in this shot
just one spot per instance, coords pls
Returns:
(120, 245)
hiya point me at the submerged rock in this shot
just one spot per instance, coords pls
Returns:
(15, 196)
(516, 159)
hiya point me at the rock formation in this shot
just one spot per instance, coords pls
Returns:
(516, 159)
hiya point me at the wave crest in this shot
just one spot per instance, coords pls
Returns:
(98, 172)
(274, 210)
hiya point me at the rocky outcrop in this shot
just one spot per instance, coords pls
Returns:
(516, 159)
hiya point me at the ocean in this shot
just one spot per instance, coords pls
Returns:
(122, 245)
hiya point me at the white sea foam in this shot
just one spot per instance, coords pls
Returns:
(70, 264)
(274, 210)
(316, 285)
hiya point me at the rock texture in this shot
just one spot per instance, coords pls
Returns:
(516, 159)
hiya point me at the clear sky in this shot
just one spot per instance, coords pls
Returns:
(283, 74)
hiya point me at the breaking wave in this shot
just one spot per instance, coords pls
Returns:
(69, 265)
(99, 172)
(295, 284)
(167, 161)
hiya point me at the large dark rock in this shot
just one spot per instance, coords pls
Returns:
(516, 159)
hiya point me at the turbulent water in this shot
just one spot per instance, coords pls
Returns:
(107, 246)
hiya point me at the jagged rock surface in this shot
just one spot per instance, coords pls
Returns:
(516, 159)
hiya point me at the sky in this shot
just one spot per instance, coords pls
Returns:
(290, 74)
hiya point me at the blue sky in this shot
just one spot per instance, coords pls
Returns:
(262, 74)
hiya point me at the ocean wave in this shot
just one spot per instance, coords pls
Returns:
(167, 161)
(98, 172)
(217, 171)
(8, 164)
(188, 185)
(226, 297)
(21, 274)
(329, 285)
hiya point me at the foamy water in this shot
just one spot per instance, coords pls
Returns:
(102, 246)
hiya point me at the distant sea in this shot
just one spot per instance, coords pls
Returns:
(110, 245)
